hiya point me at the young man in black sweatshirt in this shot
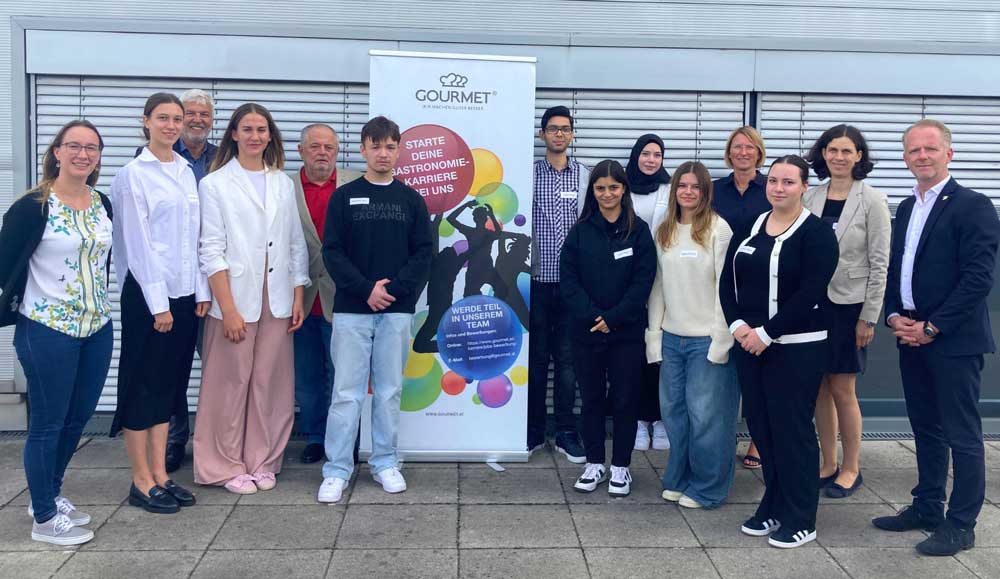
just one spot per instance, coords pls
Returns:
(377, 247)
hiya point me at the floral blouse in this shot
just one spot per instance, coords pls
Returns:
(67, 287)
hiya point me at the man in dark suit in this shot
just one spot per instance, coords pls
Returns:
(940, 273)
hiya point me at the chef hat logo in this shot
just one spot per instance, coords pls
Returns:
(453, 80)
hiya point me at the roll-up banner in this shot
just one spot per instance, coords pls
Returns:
(467, 124)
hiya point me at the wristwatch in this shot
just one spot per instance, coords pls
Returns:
(869, 324)
(929, 331)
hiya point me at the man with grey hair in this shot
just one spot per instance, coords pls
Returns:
(314, 184)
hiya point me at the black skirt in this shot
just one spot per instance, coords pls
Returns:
(152, 365)
(842, 321)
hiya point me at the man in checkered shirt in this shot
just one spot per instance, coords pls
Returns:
(560, 184)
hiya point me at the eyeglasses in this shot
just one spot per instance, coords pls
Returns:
(550, 130)
(75, 148)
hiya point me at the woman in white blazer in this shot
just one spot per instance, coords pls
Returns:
(253, 251)
(859, 216)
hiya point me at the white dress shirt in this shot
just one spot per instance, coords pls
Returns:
(914, 229)
(156, 228)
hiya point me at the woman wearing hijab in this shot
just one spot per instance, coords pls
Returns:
(649, 183)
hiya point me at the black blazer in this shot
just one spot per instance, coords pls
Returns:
(23, 227)
(952, 270)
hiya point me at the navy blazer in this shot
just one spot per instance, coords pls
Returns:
(952, 270)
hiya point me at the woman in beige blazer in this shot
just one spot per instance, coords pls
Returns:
(859, 215)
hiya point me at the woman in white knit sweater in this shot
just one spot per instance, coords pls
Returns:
(699, 394)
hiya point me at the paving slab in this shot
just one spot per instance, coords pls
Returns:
(882, 563)
(423, 486)
(542, 458)
(409, 563)
(747, 487)
(15, 529)
(620, 525)
(32, 564)
(993, 486)
(619, 562)
(851, 526)
(893, 485)
(988, 527)
(506, 563)
(886, 454)
(12, 484)
(983, 561)
(392, 526)
(294, 487)
(205, 494)
(514, 486)
(12, 453)
(101, 452)
(130, 564)
(513, 526)
(286, 564)
(134, 529)
(721, 527)
(91, 486)
(280, 527)
(769, 562)
(646, 489)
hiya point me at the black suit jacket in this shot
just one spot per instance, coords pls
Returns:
(952, 270)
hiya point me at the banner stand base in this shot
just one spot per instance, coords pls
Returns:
(456, 455)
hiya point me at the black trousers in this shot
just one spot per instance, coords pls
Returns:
(649, 392)
(609, 375)
(941, 395)
(779, 400)
(550, 338)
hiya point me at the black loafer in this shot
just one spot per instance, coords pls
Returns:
(837, 491)
(159, 500)
(825, 481)
(175, 456)
(313, 452)
(184, 497)
(947, 540)
(907, 519)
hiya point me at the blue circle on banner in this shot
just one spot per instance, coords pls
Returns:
(479, 337)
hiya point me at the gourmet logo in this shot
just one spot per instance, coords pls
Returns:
(453, 82)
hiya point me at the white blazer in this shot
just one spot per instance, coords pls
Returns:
(240, 235)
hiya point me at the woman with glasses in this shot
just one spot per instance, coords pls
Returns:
(55, 255)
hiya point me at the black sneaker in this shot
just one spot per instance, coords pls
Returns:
(905, 520)
(593, 475)
(568, 443)
(313, 452)
(758, 528)
(789, 539)
(947, 540)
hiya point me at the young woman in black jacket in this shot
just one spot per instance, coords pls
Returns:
(607, 266)
(775, 277)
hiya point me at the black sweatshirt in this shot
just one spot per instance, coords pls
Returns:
(374, 232)
(606, 271)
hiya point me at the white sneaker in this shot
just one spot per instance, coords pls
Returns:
(59, 530)
(331, 490)
(63, 506)
(621, 481)
(593, 475)
(660, 440)
(642, 436)
(391, 479)
(688, 503)
(672, 496)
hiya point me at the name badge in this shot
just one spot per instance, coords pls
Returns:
(568, 195)
(834, 226)
(359, 200)
(689, 254)
(746, 249)
(623, 253)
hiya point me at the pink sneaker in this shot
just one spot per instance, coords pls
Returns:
(264, 480)
(242, 485)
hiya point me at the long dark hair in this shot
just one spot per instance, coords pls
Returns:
(156, 99)
(861, 168)
(274, 153)
(613, 169)
(50, 165)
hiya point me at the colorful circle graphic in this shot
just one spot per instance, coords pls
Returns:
(452, 384)
(418, 365)
(501, 198)
(421, 392)
(489, 169)
(479, 337)
(519, 375)
(495, 392)
(436, 162)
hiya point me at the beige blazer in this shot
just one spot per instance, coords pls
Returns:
(863, 233)
(321, 281)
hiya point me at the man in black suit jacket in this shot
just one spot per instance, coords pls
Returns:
(944, 250)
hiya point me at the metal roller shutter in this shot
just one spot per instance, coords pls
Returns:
(790, 123)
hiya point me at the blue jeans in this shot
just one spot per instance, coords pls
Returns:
(313, 376)
(65, 377)
(698, 400)
(366, 343)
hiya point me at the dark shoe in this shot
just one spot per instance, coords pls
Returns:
(836, 491)
(947, 540)
(825, 481)
(568, 443)
(751, 462)
(175, 456)
(184, 497)
(905, 520)
(159, 500)
(759, 528)
(313, 452)
(789, 539)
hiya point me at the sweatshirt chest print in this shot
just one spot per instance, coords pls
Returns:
(379, 211)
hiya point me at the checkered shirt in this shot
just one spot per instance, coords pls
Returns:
(552, 215)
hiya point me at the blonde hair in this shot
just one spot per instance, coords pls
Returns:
(50, 165)
(704, 217)
(943, 128)
(755, 138)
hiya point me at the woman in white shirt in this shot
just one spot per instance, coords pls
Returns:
(699, 394)
(254, 254)
(162, 293)
(649, 188)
